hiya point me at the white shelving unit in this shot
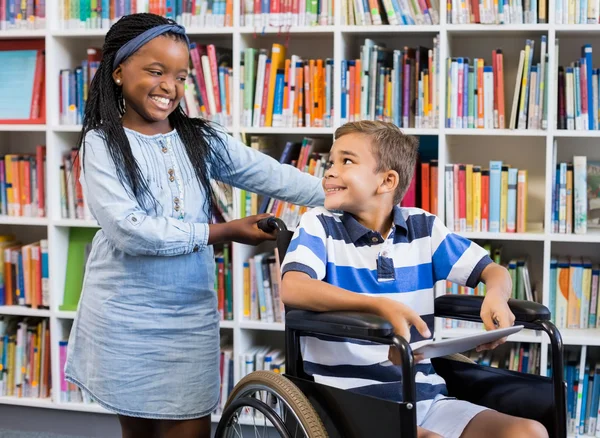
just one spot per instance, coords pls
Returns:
(530, 149)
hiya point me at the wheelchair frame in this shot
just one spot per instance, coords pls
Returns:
(343, 412)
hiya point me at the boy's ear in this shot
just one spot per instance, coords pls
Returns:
(118, 75)
(389, 183)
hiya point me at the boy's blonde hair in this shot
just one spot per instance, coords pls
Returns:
(393, 149)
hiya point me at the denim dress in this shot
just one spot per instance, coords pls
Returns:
(145, 340)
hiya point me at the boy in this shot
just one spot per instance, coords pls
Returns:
(379, 258)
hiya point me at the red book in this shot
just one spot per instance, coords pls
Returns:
(425, 190)
(410, 198)
(433, 185)
(485, 200)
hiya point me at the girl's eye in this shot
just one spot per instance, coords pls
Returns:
(182, 79)
(155, 72)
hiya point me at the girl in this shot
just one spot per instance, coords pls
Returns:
(145, 341)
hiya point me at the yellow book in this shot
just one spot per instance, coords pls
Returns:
(522, 118)
(503, 198)
(8, 177)
(11, 366)
(476, 198)
(277, 62)
(586, 292)
(522, 201)
(469, 196)
(574, 304)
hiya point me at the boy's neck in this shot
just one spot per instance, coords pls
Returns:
(378, 219)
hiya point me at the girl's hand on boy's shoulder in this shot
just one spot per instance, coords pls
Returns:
(495, 313)
(246, 230)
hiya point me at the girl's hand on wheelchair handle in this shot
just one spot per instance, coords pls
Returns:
(495, 313)
(246, 230)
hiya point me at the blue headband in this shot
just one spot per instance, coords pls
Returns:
(134, 45)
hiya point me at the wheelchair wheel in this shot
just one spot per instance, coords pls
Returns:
(272, 406)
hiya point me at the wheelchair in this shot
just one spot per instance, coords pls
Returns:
(294, 405)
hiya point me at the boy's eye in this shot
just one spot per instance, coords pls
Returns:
(328, 165)
(348, 160)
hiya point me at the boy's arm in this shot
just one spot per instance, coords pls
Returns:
(300, 291)
(461, 261)
(304, 268)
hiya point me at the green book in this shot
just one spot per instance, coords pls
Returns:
(80, 240)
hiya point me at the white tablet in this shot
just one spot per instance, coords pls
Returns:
(443, 347)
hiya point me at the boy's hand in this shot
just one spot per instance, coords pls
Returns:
(495, 313)
(402, 318)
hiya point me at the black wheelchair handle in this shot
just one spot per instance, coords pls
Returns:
(270, 224)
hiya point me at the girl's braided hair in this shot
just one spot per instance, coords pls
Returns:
(105, 107)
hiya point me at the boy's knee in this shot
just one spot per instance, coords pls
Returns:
(524, 428)
(423, 433)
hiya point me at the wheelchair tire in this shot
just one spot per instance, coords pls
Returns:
(288, 392)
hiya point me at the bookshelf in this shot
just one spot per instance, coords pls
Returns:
(529, 149)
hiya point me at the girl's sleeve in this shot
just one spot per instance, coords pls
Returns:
(455, 257)
(125, 224)
(257, 172)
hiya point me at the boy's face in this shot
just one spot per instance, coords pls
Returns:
(351, 183)
(154, 79)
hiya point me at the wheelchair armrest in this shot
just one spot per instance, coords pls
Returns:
(355, 325)
(468, 307)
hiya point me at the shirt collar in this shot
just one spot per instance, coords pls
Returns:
(356, 230)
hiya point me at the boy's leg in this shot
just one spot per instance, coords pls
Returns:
(493, 424)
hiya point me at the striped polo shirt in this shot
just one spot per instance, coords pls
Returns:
(404, 266)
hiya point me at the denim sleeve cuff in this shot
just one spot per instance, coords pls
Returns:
(198, 236)
(475, 276)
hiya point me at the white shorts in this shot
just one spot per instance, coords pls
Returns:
(448, 416)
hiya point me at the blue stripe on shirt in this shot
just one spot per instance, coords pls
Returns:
(314, 243)
(447, 254)
(408, 279)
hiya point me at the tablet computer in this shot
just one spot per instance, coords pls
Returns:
(431, 349)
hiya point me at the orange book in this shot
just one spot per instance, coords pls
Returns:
(26, 292)
(433, 199)
(229, 13)
(317, 75)
(8, 277)
(522, 201)
(25, 184)
(480, 115)
(425, 190)
(357, 89)
(16, 186)
(299, 101)
(277, 63)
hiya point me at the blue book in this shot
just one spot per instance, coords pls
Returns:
(587, 54)
(595, 401)
(495, 182)
(278, 102)
(396, 84)
(584, 396)
(343, 109)
(465, 121)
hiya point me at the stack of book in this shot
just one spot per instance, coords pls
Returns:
(19, 15)
(23, 184)
(574, 292)
(476, 93)
(493, 199)
(284, 14)
(503, 12)
(74, 85)
(577, 106)
(392, 85)
(25, 357)
(583, 395)
(101, 14)
(285, 93)
(394, 12)
(262, 285)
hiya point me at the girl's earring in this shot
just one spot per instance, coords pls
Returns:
(118, 81)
